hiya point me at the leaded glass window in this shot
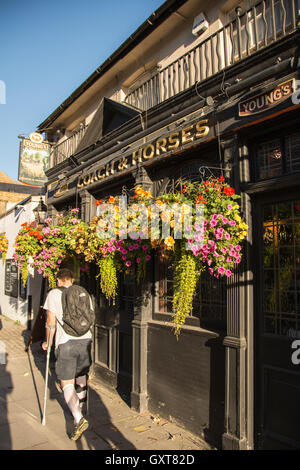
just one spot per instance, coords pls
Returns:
(281, 268)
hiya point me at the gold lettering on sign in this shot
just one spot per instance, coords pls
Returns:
(174, 141)
(187, 135)
(162, 145)
(146, 154)
(122, 164)
(109, 169)
(264, 101)
(202, 129)
(137, 157)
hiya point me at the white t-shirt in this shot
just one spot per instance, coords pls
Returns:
(53, 303)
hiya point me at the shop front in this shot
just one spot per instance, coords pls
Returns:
(229, 377)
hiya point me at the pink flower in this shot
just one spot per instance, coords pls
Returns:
(148, 257)
(213, 223)
(225, 220)
(145, 247)
(227, 236)
(138, 260)
(238, 247)
(221, 270)
(128, 263)
(228, 272)
(229, 207)
(124, 258)
(232, 223)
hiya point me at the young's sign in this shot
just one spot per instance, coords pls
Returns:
(258, 104)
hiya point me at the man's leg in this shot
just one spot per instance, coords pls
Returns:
(81, 390)
(71, 398)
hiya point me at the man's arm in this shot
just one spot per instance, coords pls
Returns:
(50, 327)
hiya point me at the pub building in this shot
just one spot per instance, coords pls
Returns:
(199, 89)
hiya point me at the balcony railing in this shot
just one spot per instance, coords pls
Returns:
(65, 149)
(261, 25)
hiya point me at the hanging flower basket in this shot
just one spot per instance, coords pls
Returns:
(198, 227)
(3, 245)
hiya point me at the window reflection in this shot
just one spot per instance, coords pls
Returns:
(281, 271)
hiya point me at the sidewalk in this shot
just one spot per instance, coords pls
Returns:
(113, 425)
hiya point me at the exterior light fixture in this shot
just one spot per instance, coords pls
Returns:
(40, 212)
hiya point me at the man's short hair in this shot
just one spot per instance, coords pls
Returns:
(65, 275)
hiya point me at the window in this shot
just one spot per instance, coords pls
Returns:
(260, 24)
(209, 302)
(281, 268)
(278, 156)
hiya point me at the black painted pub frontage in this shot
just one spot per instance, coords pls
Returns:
(230, 377)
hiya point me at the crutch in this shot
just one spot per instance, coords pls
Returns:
(47, 372)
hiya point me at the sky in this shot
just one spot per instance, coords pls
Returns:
(47, 49)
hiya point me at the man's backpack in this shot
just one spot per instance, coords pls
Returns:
(78, 316)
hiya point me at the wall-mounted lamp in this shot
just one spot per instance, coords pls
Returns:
(40, 212)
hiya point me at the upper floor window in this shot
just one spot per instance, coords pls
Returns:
(278, 156)
(260, 24)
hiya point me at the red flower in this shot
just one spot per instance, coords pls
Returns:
(228, 191)
(24, 225)
(221, 179)
(97, 203)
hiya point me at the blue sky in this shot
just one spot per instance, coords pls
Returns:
(47, 49)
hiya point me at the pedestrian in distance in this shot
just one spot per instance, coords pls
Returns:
(70, 314)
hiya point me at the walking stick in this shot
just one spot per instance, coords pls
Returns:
(46, 375)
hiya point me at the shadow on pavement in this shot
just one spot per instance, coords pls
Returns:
(93, 438)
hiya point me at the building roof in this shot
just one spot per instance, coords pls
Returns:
(6, 179)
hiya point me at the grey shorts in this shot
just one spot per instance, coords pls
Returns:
(73, 359)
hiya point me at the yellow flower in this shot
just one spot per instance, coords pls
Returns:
(169, 241)
(237, 218)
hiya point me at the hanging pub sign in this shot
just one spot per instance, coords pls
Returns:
(148, 152)
(33, 160)
(264, 101)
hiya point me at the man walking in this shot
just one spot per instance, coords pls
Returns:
(73, 354)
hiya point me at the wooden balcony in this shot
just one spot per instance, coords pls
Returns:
(263, 24)
(67, 147)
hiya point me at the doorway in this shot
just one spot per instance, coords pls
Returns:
(277, 322)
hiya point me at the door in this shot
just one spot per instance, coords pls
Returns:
(277, 323)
